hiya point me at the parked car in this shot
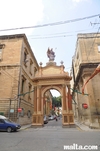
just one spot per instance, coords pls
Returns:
(2, 117)
(45, 119)
(8, 125)
(54, 116)
(51, 117)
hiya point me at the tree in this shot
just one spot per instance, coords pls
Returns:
(56, 101)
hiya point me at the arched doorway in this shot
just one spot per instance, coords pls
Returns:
(52, 77)
(50, 105)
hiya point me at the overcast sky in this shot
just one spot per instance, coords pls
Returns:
(62, 38)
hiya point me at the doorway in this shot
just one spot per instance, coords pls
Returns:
(52, 77)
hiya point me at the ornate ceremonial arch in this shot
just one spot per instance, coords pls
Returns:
(52, 77)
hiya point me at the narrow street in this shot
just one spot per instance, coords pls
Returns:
(51, 137)
(55, 123)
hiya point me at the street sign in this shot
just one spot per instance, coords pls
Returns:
(11, 110)
(19, 109)
(85, 106)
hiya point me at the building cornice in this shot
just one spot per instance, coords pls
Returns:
(3, 37)
(84, 66)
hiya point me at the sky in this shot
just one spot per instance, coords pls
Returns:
(41, 15)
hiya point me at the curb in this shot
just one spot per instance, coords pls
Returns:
(25, 127)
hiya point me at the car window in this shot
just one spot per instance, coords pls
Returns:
(1, 121)
(7, 121)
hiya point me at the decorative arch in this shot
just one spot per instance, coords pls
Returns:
(52, 77)
(51, 87)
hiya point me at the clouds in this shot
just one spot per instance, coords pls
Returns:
(77, 1)
(23, 13)
(20, 13)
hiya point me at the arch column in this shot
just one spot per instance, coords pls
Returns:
(39, 99)
(35, 100)
(37, 116)
(64, 98)
(69, 99)
(68, 118)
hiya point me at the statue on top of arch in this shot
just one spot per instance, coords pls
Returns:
(51, 54)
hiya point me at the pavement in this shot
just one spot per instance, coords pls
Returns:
(84, 127)
(23, 127)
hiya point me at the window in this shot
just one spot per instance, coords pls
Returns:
(25, 56)
(30, 89)
(77, 55)
(1, 48)
(35, 70)
(29, 113)
(98, 48)
(22, 112)
(0, 53)
(23, 83)
(1, 121)
(31, 66)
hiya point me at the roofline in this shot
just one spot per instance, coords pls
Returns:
(85, 36)
(13, 36)
(4, 37)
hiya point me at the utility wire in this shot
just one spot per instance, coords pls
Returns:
(74, 90)
(53, 37)
(23, 94)
(56, 35)
(52, 24)
(51, 34)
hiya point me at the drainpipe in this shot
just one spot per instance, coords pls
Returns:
(18, 104)
(9, 109)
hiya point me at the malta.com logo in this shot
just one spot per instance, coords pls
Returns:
(80, 147)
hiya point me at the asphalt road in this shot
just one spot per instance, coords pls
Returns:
(52, 137)
(55, 123)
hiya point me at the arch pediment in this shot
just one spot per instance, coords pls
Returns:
(52, 71)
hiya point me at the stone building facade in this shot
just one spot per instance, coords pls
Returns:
(18, 67)
(85, 60)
